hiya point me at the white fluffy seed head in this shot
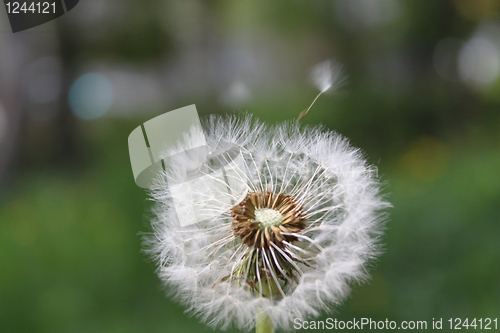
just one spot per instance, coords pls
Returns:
(217, 275)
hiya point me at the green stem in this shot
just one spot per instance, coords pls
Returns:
(263, 324)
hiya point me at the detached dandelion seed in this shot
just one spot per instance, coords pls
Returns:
(292, 219)
(325, 76)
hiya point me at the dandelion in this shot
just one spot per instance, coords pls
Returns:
(283, 218)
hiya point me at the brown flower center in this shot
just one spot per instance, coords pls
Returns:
(262, 218)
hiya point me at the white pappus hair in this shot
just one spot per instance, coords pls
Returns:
(224, 270)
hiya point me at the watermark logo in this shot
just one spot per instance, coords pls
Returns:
(28, 14)
(203, 178)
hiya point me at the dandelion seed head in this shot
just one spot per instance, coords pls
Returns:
(292, 218)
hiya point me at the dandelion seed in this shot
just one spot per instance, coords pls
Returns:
(325, 76)
(285, 235)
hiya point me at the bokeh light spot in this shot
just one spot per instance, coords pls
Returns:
(479, 61)
(90, 96)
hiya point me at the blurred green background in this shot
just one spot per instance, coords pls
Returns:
(422, 101)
